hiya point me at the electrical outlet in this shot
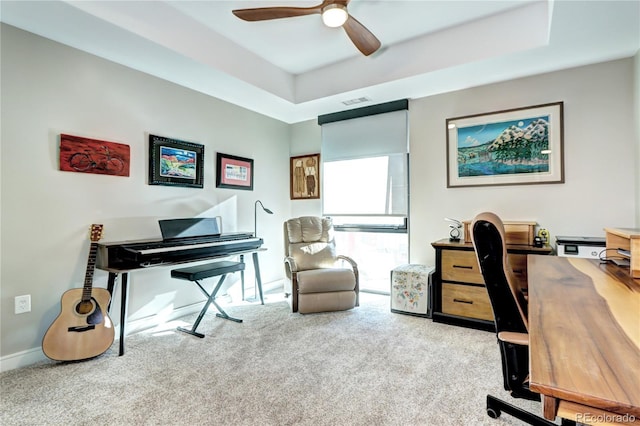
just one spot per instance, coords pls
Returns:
(23, 304)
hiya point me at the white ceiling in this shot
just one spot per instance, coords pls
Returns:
(294, 69)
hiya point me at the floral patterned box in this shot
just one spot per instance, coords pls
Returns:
(410, 290)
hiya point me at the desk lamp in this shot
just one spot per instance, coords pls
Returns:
(255, 234)
(255, 216)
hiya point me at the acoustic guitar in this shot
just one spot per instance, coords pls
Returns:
(83, 329)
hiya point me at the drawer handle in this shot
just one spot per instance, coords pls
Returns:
(463, 266)
(468, 302)
(518, 271)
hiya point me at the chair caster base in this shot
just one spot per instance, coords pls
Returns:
(495, 407)
(494, 414)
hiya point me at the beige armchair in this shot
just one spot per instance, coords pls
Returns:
(317, 279)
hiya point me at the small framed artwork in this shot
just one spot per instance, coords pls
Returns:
(176, 163)
(84, 155)
(234, 172)
(512, 147)
(305, 177)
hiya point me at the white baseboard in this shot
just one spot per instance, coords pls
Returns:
(21, 359)
(34, 355)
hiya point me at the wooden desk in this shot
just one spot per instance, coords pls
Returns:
(584, 340)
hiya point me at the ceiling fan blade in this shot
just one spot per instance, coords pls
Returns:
(361, 37)
(266, 13)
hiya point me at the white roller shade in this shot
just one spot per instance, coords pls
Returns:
(369, 136)
(365, 165)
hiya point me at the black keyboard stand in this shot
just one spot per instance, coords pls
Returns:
(119, 276)
(200, 272)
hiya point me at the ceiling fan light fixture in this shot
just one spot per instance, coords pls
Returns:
(334, 15)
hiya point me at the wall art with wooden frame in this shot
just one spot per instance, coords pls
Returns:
(510, 147)
(305, 177)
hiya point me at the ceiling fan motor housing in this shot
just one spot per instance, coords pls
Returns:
(334, 15)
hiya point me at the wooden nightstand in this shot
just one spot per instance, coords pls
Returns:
(458, 293)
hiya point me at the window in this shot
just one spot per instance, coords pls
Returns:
(366, 186)
(366, 190)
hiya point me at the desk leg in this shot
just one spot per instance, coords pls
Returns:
(123, 309)
(549, 407)
(256, 266)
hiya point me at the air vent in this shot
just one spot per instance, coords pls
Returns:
(356, 101)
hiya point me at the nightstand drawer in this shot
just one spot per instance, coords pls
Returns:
(467, 301)
(461, 266)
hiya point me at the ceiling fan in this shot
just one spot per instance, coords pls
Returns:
(334, 14)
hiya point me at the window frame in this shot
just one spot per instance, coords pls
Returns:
(358, 227)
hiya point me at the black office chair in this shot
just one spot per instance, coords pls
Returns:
(510, 317)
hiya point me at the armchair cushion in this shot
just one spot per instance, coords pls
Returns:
(326, 280)
(327, 302)
(313, 255)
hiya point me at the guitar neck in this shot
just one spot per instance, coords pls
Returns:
(88, 276)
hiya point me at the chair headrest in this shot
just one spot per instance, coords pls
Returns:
(493, 219)
(307, 229)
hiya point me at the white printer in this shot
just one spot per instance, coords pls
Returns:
(587, 247)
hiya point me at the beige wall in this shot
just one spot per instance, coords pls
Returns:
(48, 89)
(600, 146)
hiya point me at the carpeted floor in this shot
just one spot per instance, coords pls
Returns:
(366, 366)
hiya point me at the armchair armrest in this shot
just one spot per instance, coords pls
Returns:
(290, 265)
(521, 339)
(291, 282)
(352, 262)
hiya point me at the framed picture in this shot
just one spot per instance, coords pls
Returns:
(175, 163)
(305, 177)
(511, 147)
(234, 172)
(84, 155)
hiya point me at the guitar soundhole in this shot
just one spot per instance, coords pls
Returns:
(92, 310)
(85, 307)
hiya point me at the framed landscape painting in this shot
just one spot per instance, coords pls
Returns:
(510, 147)
(176, 163)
